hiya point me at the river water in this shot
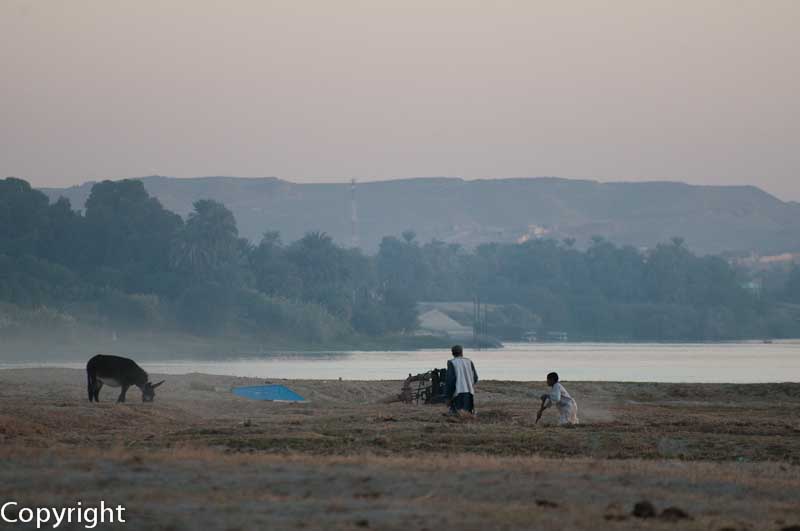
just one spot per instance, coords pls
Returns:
(748, 362)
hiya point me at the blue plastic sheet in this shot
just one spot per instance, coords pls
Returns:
(273, 392)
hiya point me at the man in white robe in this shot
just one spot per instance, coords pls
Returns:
(561, 399)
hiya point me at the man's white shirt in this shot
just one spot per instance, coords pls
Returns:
(465, 377)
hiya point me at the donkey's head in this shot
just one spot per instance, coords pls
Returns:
(149, 391)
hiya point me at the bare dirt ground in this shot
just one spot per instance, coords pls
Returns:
(728, 456)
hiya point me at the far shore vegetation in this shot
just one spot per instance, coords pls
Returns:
(126, 271)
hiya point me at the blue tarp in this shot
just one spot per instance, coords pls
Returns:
(268, 392)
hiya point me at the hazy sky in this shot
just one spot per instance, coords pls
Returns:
(691, 90)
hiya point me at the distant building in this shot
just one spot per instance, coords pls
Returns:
(534, 232)
(756, 262)
(557, 336)
(437, 323)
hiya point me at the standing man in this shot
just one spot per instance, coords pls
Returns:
(461, 380)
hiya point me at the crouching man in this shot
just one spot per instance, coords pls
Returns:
(558, 396)
(460, 383)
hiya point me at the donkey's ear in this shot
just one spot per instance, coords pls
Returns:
(156, 385)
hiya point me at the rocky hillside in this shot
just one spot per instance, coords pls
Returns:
(711, 219)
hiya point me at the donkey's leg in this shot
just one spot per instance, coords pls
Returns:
(122, 393)
(97, 387)
(91, 383)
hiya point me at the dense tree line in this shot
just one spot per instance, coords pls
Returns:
(128, 262)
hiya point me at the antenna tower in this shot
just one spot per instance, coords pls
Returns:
(353, 216)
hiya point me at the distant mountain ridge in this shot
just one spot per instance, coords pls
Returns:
(712, 219)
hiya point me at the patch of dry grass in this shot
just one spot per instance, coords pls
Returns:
(725, 454)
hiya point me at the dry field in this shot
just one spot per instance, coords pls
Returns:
(728, 456)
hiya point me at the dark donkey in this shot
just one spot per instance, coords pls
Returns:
(118, 372)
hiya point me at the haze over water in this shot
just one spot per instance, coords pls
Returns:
(750, 362)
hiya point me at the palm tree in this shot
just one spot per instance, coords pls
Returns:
(208, 241)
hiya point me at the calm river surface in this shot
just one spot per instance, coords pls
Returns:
(709, 362)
